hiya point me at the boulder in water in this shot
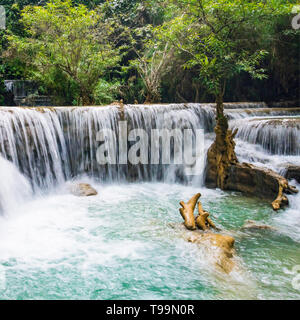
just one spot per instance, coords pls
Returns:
(292, 173)
(220, 247)
(224, 171)
(83, 190)
(261, 182)
(252, 180)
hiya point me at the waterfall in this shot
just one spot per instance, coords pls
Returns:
(9, 85)
(14, 187)
(33, 140)
(52, 145)
(276, 135)
(239, 114)
(177, 116)
(82, 124)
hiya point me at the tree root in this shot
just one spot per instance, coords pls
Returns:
(187, 212)
(225, 172)
(223, 243)
(203, 221)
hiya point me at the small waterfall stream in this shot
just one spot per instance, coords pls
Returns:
(35, 143)
(278, 136)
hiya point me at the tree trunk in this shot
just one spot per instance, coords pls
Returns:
(221, 154)
(85, 96)
(225, 172)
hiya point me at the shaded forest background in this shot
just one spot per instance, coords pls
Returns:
(127, 30)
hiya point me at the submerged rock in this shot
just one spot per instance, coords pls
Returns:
(250, 224)
(83, 190)
(252, 180)
(219, 247)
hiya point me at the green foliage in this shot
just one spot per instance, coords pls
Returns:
(106, 92)
(72, 48)
(66, 39)
(137, 13)
(152, 64)
(218, 37)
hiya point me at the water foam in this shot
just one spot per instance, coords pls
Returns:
(14, 187)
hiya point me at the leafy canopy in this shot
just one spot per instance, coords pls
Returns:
(69, 40)
(220, 37)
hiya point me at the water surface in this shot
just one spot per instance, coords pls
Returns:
(119, 245)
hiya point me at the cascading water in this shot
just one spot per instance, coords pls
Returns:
(50, 145)
(14, 187)
(84, 123)
(279, 136)
(53, 144)
(80, 126)
(239, 114)
(35, 143)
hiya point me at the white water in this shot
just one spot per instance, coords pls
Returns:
(53, 144)
(62, 246)
(15, 189)
(276, 135)
(60, 143)
(119, 245)
(289, 221)
(34, 142)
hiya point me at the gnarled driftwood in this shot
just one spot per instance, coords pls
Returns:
(187, 212)
(220, 247)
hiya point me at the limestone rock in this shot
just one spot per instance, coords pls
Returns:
(292, 173)
(218, 248)
(83, 190)
(187, 212)
(255, 181)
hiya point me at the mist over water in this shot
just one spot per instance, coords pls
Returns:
(120, 244)
(15, 189)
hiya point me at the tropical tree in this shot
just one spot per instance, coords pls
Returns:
(66, 42)
(222, 38)
(152, 64)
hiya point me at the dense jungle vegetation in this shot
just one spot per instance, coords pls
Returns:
(95, 52)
